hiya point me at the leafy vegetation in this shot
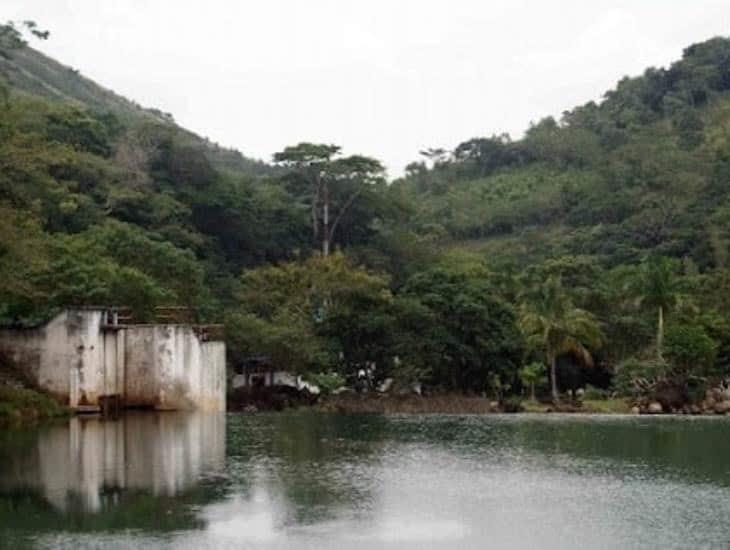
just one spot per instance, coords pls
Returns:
(24, 403)
(596, 248)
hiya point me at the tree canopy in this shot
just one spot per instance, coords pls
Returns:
(607, 225)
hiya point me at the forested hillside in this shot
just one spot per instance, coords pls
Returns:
(596, 246)
(644, 170)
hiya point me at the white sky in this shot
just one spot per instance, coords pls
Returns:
(380, 77)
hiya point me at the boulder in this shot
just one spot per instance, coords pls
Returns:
(722, 407)
(655, 408)
(494, 406)
(718, 394)
(670, 396)
(635, 410)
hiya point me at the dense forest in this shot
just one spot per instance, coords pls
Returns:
(593, 250)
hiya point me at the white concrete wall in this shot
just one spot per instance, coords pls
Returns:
(160, 366)
(87, 368)
(64, 357)
(213, 377)
(140, 378)
(169, 367)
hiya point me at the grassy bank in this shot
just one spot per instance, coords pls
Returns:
(22, 405)
(456, 404)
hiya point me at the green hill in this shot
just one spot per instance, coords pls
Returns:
(646, 169)
(32, 72)
(616, 211)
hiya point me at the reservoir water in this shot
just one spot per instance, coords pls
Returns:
(315, 480)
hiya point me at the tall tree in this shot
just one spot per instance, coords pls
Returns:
(467, 334)
(330, 178)
(12, 35)
(658, 288)
(552, 322)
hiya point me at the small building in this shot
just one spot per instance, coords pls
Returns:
(260, 372)
(89, 357)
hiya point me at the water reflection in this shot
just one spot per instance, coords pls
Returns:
(91, 464)
(312, 480)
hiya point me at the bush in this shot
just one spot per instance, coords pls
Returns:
(689, 349)
(327, 382)
(634, 375)
(591, 393)
(532, 376)
(20, 403)
(512, 404)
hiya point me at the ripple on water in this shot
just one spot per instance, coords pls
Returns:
(300, 480)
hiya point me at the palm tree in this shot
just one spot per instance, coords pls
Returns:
(530, 375)
(551, 321)
(659, 289)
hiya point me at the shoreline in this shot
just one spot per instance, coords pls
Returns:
(459, 404)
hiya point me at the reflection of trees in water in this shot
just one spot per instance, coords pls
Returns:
(318, 462)
(161, 473)
(26, 511)
(141, 471)
(693, 448)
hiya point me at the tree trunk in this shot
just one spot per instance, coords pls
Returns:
(554, 378)
(326, 221)
(532, 391)
(341, 213)
(660, 334)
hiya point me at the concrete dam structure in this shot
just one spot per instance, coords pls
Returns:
(87, 358)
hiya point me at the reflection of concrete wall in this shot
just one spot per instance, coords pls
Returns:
(84, 462)
(78, 359)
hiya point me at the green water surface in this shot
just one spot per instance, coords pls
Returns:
(315, 480)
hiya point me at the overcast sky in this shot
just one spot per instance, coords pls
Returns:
(379, 77)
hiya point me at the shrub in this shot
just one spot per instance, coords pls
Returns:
(326, 381)
(689, 349)
(512, 404)
(591, 393)
(532, 376)
(634, 377)
(19, 403)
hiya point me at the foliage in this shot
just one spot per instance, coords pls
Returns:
(635, 377)
(555, 326)
(12, 35)
(468, 334)
(602, 226)
(331, 184)
(689, 349)
(531, 375)
(319, 314)
(327, 382)
(21, 404)
(592, 393)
